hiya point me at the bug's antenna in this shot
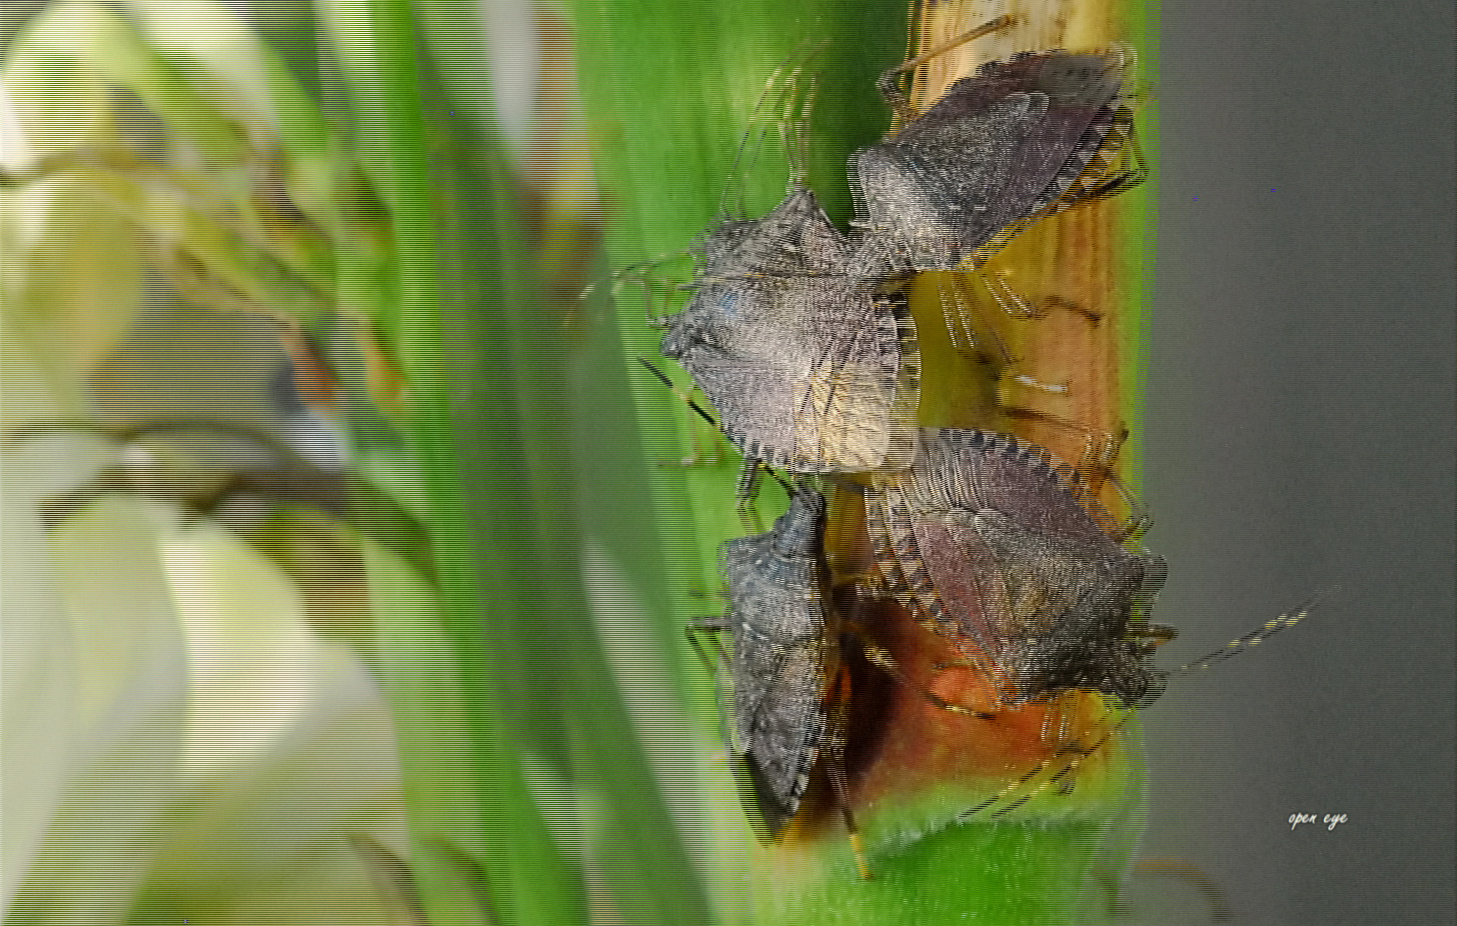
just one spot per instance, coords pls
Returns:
(1258, 635)
(663, 378)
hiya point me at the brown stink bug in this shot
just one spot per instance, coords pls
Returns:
(1018, 141)
(986, 542)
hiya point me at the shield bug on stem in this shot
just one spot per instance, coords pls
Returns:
(1018, 141)
(810, 369)
(784, 685)
(987, 543)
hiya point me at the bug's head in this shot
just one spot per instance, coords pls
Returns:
(1094, 635)
(704, 324)
(1131, 677)
(798, 531)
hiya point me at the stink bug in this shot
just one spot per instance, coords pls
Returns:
(987, 543)
(1018, 141)
(784, 685)
(810, 370)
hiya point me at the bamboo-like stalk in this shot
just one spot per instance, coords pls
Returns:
(489, 379)
(662, 134)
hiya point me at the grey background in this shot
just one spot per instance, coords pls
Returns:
(1299, 436)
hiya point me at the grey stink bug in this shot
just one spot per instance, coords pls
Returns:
(784, 680)
(810, 371)
(783, 683)
(1018, 141)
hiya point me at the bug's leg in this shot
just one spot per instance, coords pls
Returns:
(705, 635)
(834, 764)
(696, 455)
(1136, 520)
(705, 445)
(746, 492)
(1171, 867)
(1015, 305)
(882, 659)
(712, 654)
(658, 283)
(1075, 756)
(1050, 302)
(1029, 382)
(964, 322)
(798, 133)
(889, 82)
(1057, 722)
(876, 589)
(776, 111)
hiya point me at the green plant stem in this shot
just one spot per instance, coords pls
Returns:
(531, 883)
(669, 91)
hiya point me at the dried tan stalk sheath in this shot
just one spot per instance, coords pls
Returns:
(901, 745)
(1066, 263)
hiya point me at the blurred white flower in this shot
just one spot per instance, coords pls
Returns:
(177, 746)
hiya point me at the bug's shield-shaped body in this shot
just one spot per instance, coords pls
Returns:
(987, 544)
(784, 655)
(997, 151)
(811, 371)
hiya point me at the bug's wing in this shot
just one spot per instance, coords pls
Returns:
(1083, 92)
(933, 192)
(979, 469)
(775, 605)
(813, 374)
(1068, 607)
(789, 727)
(781, 663)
